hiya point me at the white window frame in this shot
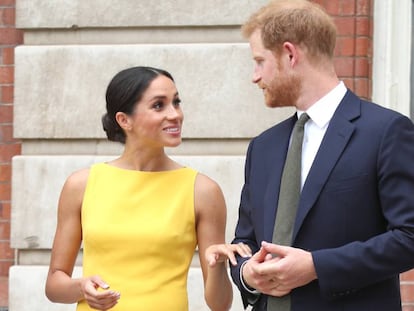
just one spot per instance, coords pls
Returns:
(392, 44)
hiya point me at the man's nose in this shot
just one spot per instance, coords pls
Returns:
(256, 76)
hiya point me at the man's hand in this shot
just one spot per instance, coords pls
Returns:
(275, 270)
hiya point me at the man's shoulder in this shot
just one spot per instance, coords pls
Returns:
(282, 128)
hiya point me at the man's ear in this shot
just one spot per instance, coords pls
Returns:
(123, 120)
(291, 51)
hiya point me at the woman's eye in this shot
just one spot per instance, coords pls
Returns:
(158, 105)
(177, 102)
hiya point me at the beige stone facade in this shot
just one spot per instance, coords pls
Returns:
(71, 50)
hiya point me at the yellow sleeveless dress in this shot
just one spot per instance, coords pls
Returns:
(139, 235)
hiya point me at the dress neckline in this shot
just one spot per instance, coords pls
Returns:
(144, 172)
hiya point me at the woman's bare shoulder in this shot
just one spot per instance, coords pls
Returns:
(206, 185)
(208, 193)
(77, 180)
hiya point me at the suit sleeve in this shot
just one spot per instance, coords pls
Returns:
(244, 233)
(346, 269)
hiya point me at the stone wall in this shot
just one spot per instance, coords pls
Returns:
(71, 50)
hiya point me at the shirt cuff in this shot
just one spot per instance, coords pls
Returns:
(245, 286)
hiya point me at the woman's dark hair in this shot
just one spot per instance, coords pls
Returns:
(122, 94)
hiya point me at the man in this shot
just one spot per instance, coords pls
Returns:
(353, 230)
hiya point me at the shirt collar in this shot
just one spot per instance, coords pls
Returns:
(321, 112)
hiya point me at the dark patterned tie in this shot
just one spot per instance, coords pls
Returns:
(288, 202)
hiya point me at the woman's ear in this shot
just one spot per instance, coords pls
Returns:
(123, 120)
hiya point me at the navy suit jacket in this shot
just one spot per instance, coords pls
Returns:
(356, 211)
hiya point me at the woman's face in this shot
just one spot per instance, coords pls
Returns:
(157, 118)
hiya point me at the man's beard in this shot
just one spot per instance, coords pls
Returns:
(283, 91)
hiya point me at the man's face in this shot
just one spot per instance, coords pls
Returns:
(280, 84)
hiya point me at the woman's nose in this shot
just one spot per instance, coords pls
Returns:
(173, 112)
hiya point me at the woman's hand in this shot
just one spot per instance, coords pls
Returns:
(221, 252)
(98, 299)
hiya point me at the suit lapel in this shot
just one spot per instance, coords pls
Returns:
(336, 138)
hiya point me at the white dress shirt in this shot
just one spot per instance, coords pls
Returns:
(320, 114)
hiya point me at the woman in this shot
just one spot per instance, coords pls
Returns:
(140, 216)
